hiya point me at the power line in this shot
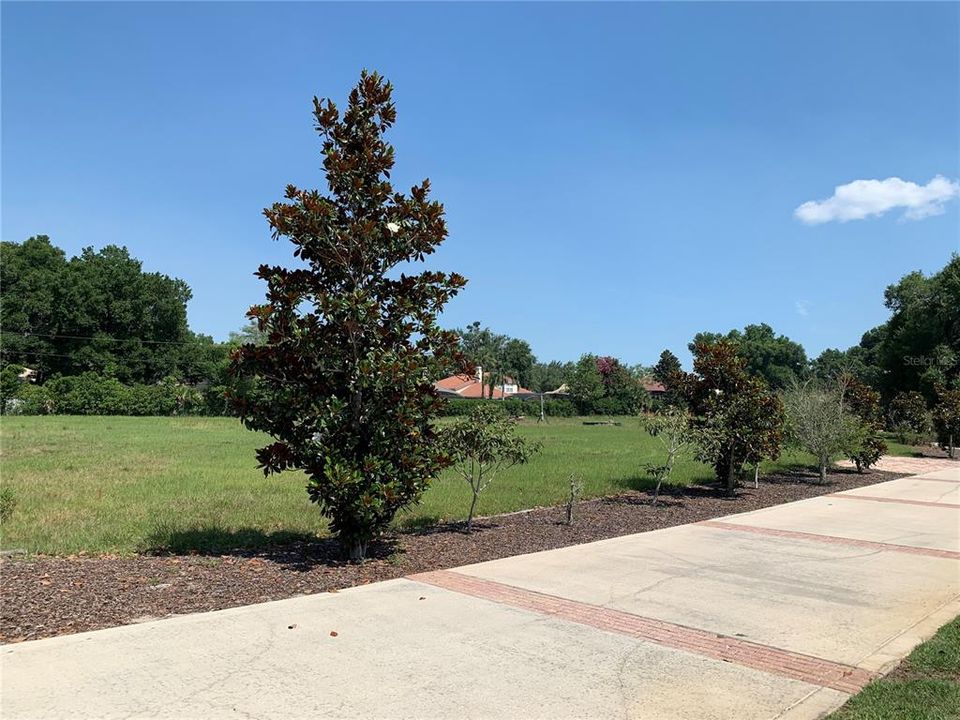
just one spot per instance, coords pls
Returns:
(97, 337)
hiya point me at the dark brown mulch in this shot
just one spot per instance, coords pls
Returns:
(44, 596)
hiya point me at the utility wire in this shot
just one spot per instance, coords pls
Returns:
(97, 337)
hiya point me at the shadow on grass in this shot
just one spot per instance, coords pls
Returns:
(646, 483)
(301, 551)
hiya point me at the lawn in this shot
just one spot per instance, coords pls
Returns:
(125, 484)
(926, 686)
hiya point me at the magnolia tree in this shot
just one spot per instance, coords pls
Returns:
(868, 445)
(946, 418)
(349, 343)
(738, 420)
(481, 445)
(908, 416)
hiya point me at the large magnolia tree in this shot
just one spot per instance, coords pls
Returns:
(342, 378)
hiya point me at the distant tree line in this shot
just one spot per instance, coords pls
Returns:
(121, 334)
(99, 335)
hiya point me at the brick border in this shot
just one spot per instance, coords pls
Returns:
(901, 501)
(832, 539)
(765, 658)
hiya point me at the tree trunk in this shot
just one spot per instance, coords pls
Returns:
(356, 549)
(950, 451)
(731, 480)
(656, 491)
(473, 506)
(823, 472)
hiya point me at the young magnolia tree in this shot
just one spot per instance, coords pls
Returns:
(672, 428)
(483, 444)
(738, 421)
(867, 446)
(343, 377)
(946, 418)
(908, 416)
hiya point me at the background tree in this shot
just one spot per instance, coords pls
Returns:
(604, 386)
(586, 384)
(920, 345)
(907, 416)
(776, 359)
(918, 348)
(517, 361)
(946, 418)
(546, 377)
(481, 445)
(98, 312)
(344, 379)
(668, 372)
(739, 421)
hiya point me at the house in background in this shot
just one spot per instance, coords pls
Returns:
(471, 387)
(655, 388)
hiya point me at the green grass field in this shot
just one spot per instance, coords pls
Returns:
(125, 484)
(926, 686)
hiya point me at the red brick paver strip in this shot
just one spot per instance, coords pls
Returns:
(902, 501)
(765, 658)
(833, 539)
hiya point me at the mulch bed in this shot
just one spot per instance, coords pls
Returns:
(43, 596)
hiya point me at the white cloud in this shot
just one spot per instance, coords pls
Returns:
(868, 198)
(803, 307)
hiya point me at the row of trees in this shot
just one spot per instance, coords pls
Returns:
(98, 312)
(339, 365)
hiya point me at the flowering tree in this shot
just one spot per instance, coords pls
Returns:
(342, 379)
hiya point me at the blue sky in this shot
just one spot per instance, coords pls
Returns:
(617, 177)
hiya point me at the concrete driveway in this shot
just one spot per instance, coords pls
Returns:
(777, 613)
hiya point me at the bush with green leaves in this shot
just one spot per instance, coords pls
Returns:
(481, 445)
(342, 379)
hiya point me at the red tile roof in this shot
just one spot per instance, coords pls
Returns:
(467, 386)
